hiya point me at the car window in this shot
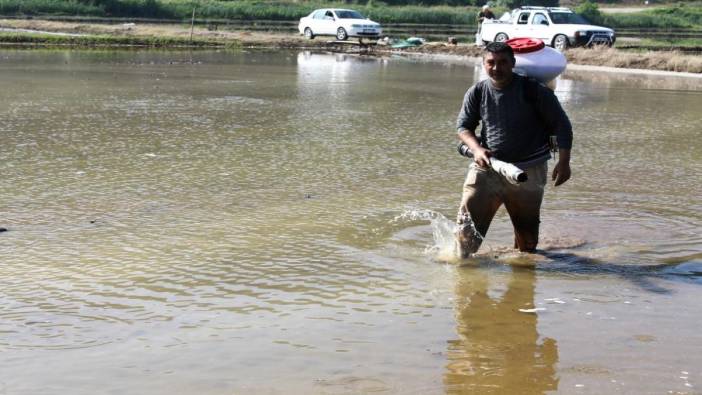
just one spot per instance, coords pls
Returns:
(318, 15)
(349, 14)
(523, 18)
(329, 15)
(539, 19)
(568, 17)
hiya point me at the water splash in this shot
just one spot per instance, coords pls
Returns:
(444, 246)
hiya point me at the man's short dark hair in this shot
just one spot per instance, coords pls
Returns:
(499, 47)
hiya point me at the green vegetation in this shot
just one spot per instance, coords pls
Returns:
(241, 9)
(122, 8)
(590, 11)
(694, 43)
(425, 15)
(679, 16)
(103, 40)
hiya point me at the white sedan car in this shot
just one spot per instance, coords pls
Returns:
(340, 23)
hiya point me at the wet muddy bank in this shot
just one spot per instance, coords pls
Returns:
(79, 34)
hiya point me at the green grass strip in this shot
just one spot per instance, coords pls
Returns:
(679, 16)
(106, 40)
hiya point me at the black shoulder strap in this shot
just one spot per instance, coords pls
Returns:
(479, 92)
(531, 95)
(479, 98)
(531, 90)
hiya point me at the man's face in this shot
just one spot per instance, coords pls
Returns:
(498, 67)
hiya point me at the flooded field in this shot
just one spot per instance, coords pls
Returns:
(273, 223)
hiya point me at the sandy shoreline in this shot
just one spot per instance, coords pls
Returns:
(663, 73)
(610, 58)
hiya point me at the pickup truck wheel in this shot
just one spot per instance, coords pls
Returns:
(560, 42)
(501, 37)
(308, 33)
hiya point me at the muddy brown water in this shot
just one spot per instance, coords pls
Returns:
(259, 222)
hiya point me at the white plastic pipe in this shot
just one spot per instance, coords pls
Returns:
(512, 173)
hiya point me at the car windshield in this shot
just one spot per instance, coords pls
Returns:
(348, 14)
(568, 18)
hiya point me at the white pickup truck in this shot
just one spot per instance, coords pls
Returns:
(558, 27)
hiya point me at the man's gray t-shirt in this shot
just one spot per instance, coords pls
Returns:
(517, 119)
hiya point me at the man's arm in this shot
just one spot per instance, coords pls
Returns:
(467, 121)
(556, 119)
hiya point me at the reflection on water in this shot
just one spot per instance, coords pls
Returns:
(498, 349)
(245, 222)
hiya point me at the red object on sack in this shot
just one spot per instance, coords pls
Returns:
(525, 44)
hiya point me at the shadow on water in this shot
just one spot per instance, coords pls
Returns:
(644, 276)
(571, 263)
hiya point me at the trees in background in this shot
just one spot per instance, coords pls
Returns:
(142, 8)
(590, 11)
(474, 3)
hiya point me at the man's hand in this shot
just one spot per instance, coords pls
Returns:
(561, 173)
(481, 156)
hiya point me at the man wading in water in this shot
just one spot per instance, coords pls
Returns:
(518, 115)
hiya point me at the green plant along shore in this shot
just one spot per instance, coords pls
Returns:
(108, 40)
(681, 15)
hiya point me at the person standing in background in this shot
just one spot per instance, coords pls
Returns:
(485, 13)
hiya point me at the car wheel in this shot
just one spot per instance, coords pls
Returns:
(560, 42)
(308, 33)
(501, 37)
(341, 34)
